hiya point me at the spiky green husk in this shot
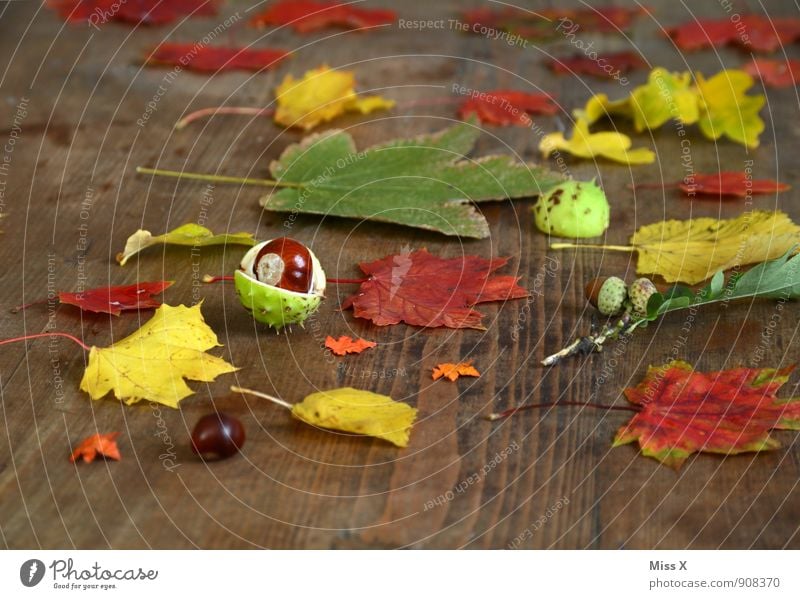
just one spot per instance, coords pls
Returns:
(573, 209)
(274, 306)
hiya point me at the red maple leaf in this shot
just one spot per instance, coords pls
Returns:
(431, 291)
(507, 107)
(775, 73)
(137, 12)
(104, 444)
(305, 16)
(730, 183)
(113, 300)
(607, 65)
(752, 32)
(211, 59)
(347, 345)
(730, 411)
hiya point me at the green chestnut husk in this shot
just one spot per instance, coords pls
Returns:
(573, 209)
(272, 305)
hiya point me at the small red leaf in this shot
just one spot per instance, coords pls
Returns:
(730, 183)
(104, 444)
(453, 371)
(305, 16)
(210, 59)
(607, 65)
(347, 345)
(113, 300)
(424, 290)
(751, 32)
(507, 107)
(136, 12)
(728, 412)
(775, 73)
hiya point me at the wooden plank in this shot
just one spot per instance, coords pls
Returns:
(72, 198)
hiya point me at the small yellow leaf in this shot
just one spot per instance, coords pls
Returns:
(152, 363)
(666, 96)
(355, 411)
(727, 110)
(606, 144)
(693, 250)
(189, 234)
(599, 106)
(320, 96)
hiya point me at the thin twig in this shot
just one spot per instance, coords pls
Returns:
(271, 398)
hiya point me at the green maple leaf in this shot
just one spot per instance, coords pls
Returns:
(423, 182)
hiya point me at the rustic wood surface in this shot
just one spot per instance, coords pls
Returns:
(71, 198)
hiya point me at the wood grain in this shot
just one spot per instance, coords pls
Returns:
(72, 198)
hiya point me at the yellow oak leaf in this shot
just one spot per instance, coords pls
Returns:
(606, 144)
(666, 96)
(690, 251)
(353, 411)
(189, 234)
(320, 96)
(152, 363)
(726, 109)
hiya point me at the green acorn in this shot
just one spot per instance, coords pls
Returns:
(612, 296)
(639, 293)
(280, 282)
(573, 209)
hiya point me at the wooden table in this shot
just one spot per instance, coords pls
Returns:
(87, 114)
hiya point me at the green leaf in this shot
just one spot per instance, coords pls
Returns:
(189, 234)
(423, 182)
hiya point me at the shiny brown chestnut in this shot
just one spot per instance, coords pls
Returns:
(217, 436)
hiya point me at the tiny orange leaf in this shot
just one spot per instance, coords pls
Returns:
(452, 371)
(347, 345)
(104, 444)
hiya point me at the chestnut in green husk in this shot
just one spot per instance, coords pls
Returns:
(280, 282)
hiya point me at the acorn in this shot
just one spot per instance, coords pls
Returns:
(639, 293)
(573, 209)
(608, 294)
(280, 282)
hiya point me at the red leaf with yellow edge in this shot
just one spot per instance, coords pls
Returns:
(305, 16)
(347, 345)
(606, 65)
(774, 73)
(137, 12)
(729, 411)
(453, 371)
(104, 444)
(424, 290)
(210, 59)
(113, 300)
(507, 107)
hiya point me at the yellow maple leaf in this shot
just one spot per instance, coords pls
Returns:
(353, 411)
(152, 363)
(666, 96)
(320, 96)
(691, 251)
(599, 106)
(727, 110)
(606, 144)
